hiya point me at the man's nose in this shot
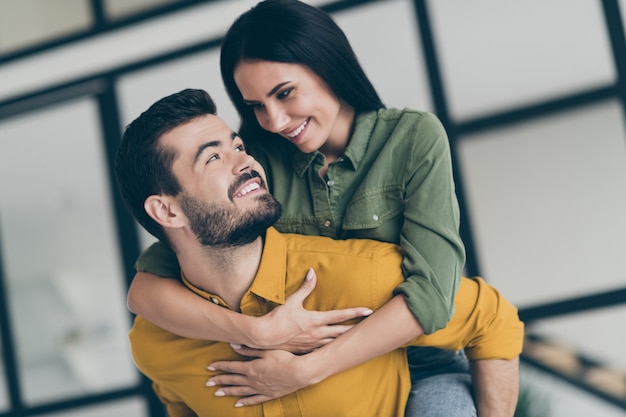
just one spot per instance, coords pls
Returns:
(243, 162)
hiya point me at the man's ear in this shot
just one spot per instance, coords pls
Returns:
(165, 210)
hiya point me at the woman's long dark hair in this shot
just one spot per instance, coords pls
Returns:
(294, 32)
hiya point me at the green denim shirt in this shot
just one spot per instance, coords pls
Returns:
(393, 184)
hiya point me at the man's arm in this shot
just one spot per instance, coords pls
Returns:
(493, 345)
(485, 323)
(496, 386)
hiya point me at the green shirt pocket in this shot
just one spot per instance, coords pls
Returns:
(373, 208)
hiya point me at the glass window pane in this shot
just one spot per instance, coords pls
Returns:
(4, 393)
(133, 407)
(151, 38)
(551, 396)
(61, 255)
(546, 199)
(24, 23)
(601, 343)
(495, 55)
(138, 90)
(116, 9)
(390, 52)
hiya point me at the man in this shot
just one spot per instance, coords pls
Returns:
(187, 179)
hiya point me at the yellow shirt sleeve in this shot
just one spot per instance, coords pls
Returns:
(485, 324)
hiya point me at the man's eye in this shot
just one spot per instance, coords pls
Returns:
(240, 148)
(212, 158)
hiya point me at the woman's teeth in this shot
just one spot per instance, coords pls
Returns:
(298, 130)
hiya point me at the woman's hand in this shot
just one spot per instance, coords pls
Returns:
(292, 328)
(274, 374)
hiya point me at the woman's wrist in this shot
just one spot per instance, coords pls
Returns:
(257, 332)
(313, 367)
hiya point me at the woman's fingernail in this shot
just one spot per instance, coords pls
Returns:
(210, 384)
(309, 274)
(368, 312)
(235, 346)
(238, 405)
(219, 393)
(211, 368)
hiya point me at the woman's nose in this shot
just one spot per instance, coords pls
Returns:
(277, 120)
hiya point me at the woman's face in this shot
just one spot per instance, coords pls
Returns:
(292, 101)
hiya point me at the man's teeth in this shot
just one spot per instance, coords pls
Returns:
(298, 130)
(248, 188)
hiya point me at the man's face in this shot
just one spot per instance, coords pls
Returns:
(224, 194)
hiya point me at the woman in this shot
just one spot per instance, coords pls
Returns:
(344, 166)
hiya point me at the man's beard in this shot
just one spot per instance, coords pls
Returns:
(225, 225)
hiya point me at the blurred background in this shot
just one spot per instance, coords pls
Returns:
(532, 95)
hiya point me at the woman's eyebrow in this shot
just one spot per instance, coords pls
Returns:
(277, 87)
(270, 93)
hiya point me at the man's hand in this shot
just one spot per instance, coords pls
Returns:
(292, 328)
(274, 374)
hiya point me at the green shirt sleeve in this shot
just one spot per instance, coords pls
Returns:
(159, 259)
(434, 253)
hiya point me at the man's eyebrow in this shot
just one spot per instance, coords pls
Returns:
(201, 148)
(212, 144)
(271, 92)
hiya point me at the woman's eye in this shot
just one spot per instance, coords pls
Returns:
(256, 107)
(240, 148)
(284, 94)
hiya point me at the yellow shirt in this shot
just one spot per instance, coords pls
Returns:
(350, 273)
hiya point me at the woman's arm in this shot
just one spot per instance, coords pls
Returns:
(485, 323)
(168, 304)
(388, 328)
(434, 254)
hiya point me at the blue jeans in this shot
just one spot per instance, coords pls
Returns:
(441, 384)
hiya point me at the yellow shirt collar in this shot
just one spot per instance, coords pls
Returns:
(269, 282)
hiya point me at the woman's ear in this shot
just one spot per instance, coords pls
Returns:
(164, 209)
